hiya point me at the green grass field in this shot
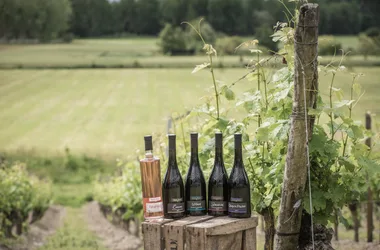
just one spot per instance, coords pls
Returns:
(348, 41)
(128, 53)
(107, 112)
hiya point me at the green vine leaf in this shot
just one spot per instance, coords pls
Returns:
(343, 103)
(209, 49)
(338, 93)
(200, 67)
(357, 88)
(228, 93)
(256, 51)
(349, 166)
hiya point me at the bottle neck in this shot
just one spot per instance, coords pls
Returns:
(238, 155)
(194, 153)
(194, 148)
(218, 155)
(172, 158)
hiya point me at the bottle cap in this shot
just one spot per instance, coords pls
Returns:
(148, 142)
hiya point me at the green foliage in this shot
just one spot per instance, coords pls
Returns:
(226, 15)
(177, 41)
(339, 159)
(69, 169)
(45, 19)
(173, 41)
(21, 194)
(263, 34)
(327, 45)
(34, 19)
(208, 33)
(121, 192)
(340, 17)
(369, 45)
(373, 32)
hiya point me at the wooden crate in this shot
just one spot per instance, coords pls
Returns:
(201, 233)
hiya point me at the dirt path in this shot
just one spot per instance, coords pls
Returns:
(113, 238)
(40, 230)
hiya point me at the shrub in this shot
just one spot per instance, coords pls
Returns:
(193, 42)
(176, 40)
(173, 40)
(21, 194)
(327, 45)
(227, 45)
(373, 32)
(263, 34)
(369, 45)
(68, 37)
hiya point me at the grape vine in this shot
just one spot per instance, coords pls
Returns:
(21, 195)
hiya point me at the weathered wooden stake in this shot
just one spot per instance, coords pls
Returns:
(353, 206)
(305, 79)
(368, 126)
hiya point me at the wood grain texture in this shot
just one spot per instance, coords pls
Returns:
(174, 232)
(153, 234)
(225, 242)
(226, 225)
(305, 85)
(249, 239)
(195, 238)
(201, 233)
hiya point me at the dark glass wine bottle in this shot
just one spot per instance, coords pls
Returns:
(239, 195)
(172, 187)
(195, 186)
(218, 182)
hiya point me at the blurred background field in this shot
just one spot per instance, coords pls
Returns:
(143, 52)
(107, 112)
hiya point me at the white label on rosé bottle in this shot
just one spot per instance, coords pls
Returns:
(154, 199)
(154, 207)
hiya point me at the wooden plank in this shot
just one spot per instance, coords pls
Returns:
(175, 238)
(225, 242)
(226, 225)
(195, 238)
(249, 239)
(153, 234)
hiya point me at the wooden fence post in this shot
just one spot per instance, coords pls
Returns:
(305, 81)
(368, 126)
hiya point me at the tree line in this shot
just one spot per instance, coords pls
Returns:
(48, 19)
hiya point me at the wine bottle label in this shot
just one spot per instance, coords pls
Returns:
(237, 207)
(153, 205)
(196, 205)
(217, 198)
(174, 208)
(236, 199)
(219, 206)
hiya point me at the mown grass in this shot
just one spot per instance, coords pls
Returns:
(105, 113)
(128, 53)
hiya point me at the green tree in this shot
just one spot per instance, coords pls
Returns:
(147, 19)
(92, 18)
(226, 16)
(173, 11)
(34, 19)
